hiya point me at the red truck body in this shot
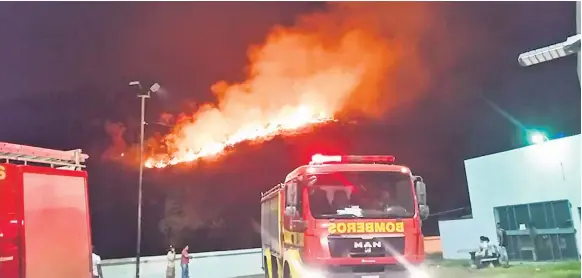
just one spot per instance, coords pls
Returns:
(44, 213)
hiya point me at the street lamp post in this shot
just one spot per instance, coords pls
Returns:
(143, 96)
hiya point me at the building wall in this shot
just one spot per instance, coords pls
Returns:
(457, 237)
(537, 173)
(578, 32)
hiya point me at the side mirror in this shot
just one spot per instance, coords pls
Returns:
(421, 192)
(290, 211)
(423, 211)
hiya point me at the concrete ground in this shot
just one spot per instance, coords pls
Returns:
(530, 270)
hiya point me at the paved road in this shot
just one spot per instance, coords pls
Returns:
(463, 272)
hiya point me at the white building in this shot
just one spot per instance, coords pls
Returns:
(537, 185)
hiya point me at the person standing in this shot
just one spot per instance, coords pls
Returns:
(502, 241)
(96, 262)
(171, 267)
(533, 234)
(184, 263)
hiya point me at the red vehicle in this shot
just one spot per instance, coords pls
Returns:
(345, 216)
(44, 213)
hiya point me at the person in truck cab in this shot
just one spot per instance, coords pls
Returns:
(340, 200)
(372, 198)
(319, 201)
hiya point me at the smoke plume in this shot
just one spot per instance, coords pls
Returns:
(118, 146)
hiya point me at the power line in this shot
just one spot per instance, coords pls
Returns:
(448, 211)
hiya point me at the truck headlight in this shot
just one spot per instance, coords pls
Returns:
(313, 273)
(419, 274)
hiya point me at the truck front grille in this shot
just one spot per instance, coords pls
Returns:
(357, 247)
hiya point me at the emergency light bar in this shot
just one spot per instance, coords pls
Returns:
(323, 159)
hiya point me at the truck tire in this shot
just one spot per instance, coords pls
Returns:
(265, 267)
(286, 271)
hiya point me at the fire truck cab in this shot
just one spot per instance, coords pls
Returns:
(345, 216)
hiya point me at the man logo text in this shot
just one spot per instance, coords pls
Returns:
(368, 244)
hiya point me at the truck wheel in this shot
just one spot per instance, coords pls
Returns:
(266, 267)
(274, 267)
(286, 271)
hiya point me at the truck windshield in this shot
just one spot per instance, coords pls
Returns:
(365, 194)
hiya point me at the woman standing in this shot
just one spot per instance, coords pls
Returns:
(171, 269)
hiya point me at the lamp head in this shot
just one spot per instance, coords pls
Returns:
(135, 83)
(155, 88)
(538, 137)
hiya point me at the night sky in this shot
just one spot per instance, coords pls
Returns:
(64, 70)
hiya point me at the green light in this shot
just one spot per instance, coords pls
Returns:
(538, 137)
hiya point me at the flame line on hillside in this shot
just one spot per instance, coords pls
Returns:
(303, 119)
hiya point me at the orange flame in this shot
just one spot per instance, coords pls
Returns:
(302, 117)
(300, 77)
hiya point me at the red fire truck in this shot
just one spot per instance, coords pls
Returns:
(44, 213)
(345, 216)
